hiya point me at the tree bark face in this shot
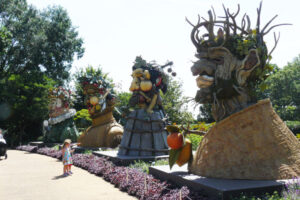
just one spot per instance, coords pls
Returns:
(222, 80)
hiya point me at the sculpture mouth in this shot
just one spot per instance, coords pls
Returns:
(204, 81)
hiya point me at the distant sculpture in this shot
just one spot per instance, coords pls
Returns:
(144, 133)
(60, 125)
(100, 100)
(249, 140)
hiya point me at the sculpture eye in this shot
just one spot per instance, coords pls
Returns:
(218, 60)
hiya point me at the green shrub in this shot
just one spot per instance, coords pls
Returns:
(195, 139)
(40, 138)
(88, 151)
(82, 119)
(56, 147)
(202, 126)
(294, 126)
(144, 166)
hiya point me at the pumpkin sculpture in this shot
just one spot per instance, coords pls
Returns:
(60, 125)
(144, 133)
(249, 140)
(100, 100)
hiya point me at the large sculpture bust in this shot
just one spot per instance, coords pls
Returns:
(60, 125)
(231, 63)
(249, 140)
(145, 133)
(100, 101)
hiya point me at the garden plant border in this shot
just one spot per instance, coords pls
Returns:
(140, 184)
(133, 181)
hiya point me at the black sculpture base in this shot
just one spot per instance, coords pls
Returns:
(127, 160)
(38, 144)
(224, 189)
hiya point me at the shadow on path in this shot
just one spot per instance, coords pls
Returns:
(59, 177)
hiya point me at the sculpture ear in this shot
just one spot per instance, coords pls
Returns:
(248, 65)
(251, 61)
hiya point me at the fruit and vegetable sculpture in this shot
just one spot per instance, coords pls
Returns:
(145, 133)
(180, 147)
(249, 140)
(60, 125)
(100, 100)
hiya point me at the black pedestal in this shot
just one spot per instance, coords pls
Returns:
(217, 188)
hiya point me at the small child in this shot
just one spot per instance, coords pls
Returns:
(67, 157)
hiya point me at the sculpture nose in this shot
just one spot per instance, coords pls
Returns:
(203, 66)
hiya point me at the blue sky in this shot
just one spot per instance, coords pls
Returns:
(116, 31)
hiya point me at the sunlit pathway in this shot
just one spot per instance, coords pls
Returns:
(27, 176)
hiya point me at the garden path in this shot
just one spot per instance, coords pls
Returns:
(29, 176)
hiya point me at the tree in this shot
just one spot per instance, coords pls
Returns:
(24, 97)
(40, 40)
(205, 114)
(175, 104)
(122, 107)
(283, 88)
(36, 51)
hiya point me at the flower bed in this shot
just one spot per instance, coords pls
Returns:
(136, 182)
(50, 152)
(133, 181)
(27, 148)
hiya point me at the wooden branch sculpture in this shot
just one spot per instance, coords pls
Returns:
(188, 131)
(232, 63)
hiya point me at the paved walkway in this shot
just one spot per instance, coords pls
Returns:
(27, 176)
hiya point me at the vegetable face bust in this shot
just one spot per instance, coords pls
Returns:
(98, 97)
(141, 80)
(59, 101)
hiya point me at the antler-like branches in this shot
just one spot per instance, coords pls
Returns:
(263, 31)
(249, 24)
(195, 33)
(226, 25)
(210, 26)
(233, 16)
(276, 39)
(233, 25)
(188, 131)
(264, 28)
(229, 23)
(258, 17)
